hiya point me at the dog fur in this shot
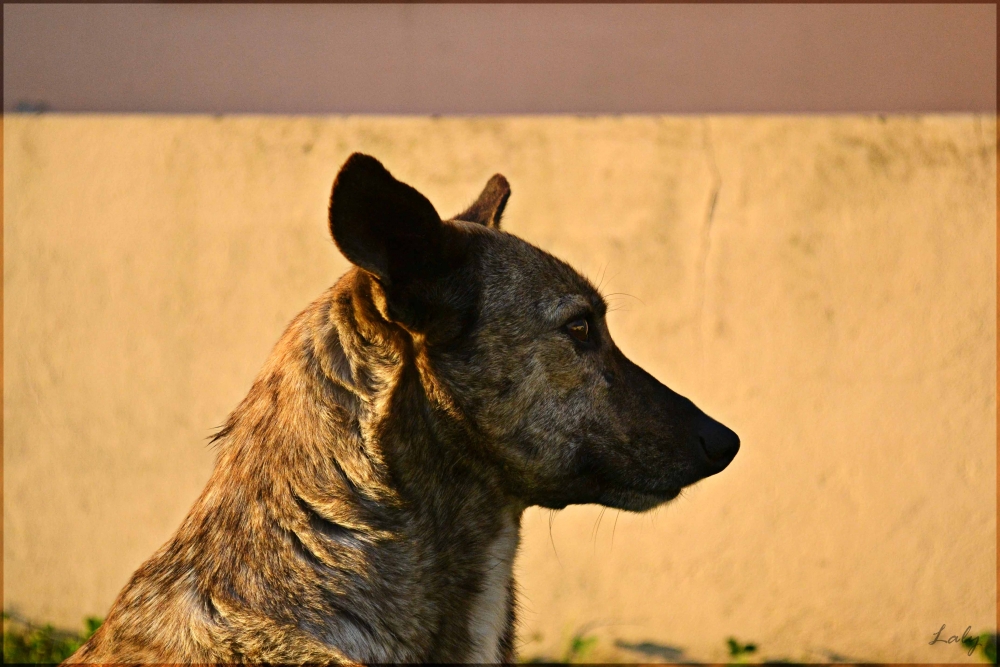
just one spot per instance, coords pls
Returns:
(366, 502)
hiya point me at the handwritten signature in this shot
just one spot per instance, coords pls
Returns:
(965, 639)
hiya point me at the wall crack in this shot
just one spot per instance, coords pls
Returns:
(706, 231)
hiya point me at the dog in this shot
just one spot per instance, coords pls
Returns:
(365, 506)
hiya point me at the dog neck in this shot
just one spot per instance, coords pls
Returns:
(405, 415)
(347, 388)
(346, 436)
(448, 492)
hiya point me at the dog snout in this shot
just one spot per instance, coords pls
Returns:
(718, 443)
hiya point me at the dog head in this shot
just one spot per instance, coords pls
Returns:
(517, 342)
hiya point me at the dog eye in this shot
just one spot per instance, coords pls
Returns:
(579, 329)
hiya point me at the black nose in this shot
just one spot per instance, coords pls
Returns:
(719, 443)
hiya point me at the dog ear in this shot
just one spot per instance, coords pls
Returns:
(488, 207)
(383, 225)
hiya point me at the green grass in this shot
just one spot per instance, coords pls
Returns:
(579, 647)
(985, 644)
(738, 651)
(25, 642)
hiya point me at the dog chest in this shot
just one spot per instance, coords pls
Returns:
(488, 614)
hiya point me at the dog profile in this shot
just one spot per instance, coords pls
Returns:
(365, 506)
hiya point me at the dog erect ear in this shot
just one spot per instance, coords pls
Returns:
(382, 225)
(488, 207)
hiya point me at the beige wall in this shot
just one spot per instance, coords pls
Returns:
(836, 307)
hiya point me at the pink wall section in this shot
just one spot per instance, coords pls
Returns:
(470, 59)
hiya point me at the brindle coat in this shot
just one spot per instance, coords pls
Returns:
(366, 502)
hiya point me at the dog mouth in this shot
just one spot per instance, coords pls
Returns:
(636, 501)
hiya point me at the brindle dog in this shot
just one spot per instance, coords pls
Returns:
(366, 502)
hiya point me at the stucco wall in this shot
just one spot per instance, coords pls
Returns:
(825, 286)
